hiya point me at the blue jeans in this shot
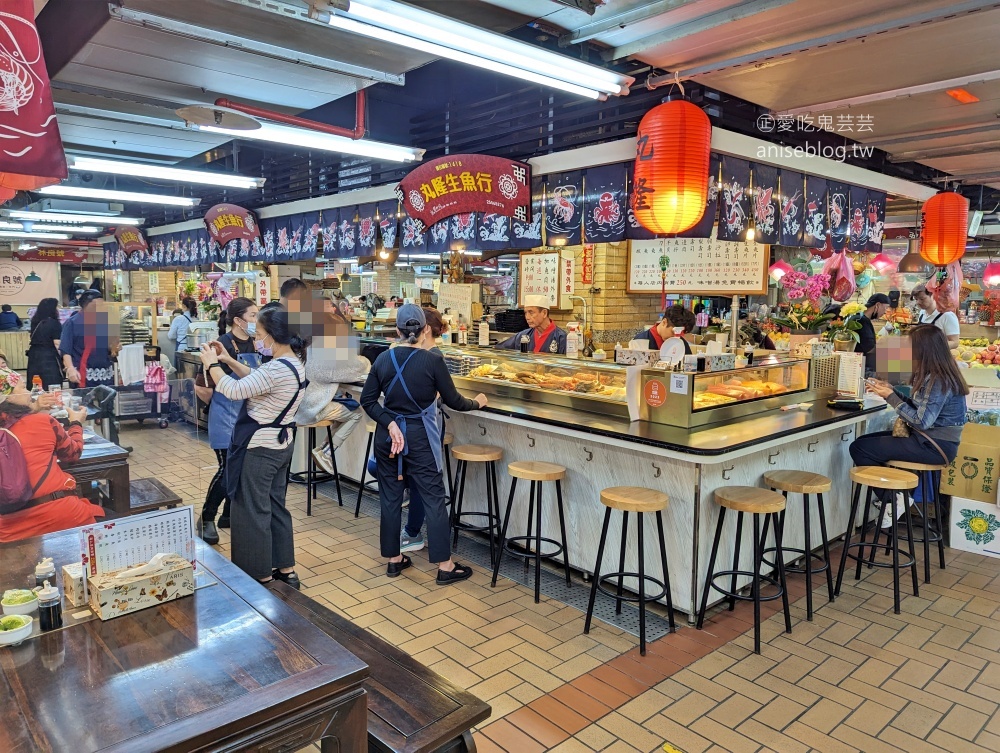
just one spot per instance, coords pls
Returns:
(415, 512)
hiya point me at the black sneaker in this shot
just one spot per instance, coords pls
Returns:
(291, 579)
(208, 532)
(223, 522)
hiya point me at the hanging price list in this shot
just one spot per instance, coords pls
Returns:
(698, 265)
(118, 545)
(540, 275)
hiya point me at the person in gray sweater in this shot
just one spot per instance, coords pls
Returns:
(331, 360)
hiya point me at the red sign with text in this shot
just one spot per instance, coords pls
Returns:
(51, 254)
(130, 239)
(228, 222)
(655, 393)
(587, 264)
(462, 183)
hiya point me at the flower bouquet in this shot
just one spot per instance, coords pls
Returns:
(804, 316)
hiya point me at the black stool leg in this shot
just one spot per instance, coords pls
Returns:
(489, 512)
(855, 501)
(864, 525)
(463, 469)
(939, 516)
(530, 524)
(736, 557)
(926, 481)
(642, 587)
(913, 553)
(503, 530)
(562, 530)
(894, 534)
(755, 585)
(666, 571)
(779, 526)
(310, 470)
(538, 542)
(495, 518)
(364, 472)
(336, 471)
(447, 469)
(826, 544)
(597, 570)
(808, 548)
(711, 567)
(621, 562)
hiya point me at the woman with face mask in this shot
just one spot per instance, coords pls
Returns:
(260, 449)
(239, 357)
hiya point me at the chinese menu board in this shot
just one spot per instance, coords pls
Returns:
(547, 274)
(120, 544)
(706, 266)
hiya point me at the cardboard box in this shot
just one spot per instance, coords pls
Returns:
(973, 473)
(975, 527)
(112, 595)
(73, 585)
(814, 350)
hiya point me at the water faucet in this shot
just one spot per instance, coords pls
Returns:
(584, 302)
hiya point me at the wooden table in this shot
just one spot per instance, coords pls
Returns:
(229, 668)
(104, 461)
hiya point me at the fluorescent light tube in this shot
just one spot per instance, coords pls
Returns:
(291, 136)
(140, 170)
(100, 219)
(106, 195)
(49, 228)
(42, 236)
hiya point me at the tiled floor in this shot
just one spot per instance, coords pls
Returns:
(857, 678)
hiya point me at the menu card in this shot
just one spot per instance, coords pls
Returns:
(698, 265)
(125, 543)
(541, 275)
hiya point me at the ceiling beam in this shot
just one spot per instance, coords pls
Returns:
(695, 26)
(946, 151)
(848, 35)
(936, 133)
(969, 177)
(621, 20)
(905, 91)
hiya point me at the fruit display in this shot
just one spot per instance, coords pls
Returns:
(978, 353)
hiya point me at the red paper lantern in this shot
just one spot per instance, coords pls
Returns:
(671, 167)
(991, 275)
(945, 228)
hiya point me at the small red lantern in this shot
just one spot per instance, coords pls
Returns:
(991, 275)
(671, 167)
(945, 228)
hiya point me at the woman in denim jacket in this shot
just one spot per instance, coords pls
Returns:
(935, 411)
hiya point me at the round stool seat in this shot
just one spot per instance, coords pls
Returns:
(477, 453)
(634, 499)
(750, 499)
(317, 425)
(370, 426)
(449, 438)
(798, 482)
(535, 470)
(906, 465)
(877, 477)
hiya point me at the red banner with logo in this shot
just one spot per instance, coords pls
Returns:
(462, 183)
(130, 239)
(31, 151)
(52, 254)
(228, 222)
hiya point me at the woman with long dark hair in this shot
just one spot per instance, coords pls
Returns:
(934, 411)
(238, 358)
(43, 346)
(261, 448)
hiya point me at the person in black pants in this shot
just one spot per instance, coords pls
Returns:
(875, 308)
(408, 440)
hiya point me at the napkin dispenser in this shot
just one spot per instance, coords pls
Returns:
(164, 578)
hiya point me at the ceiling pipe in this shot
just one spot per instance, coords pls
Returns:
(357, 133)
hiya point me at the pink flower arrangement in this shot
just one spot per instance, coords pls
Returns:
(799, 286)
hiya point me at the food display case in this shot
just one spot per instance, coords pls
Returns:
(696, 399)
(582, 384)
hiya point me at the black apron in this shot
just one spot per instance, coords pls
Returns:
(246, 427)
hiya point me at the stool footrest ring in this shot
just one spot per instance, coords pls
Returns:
(905, 560)
(764, 580)
(526, 553)
(302, 477)
(471, 527)
(789, 568)
(628, 597)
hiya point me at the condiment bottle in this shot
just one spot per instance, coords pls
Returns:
(36, 386)
(484, 333)
(572, 347)
(49, 608)
(44, 571)
(525, 343)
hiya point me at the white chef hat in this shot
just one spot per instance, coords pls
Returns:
(538, 301)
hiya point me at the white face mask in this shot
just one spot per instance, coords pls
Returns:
(250, 328)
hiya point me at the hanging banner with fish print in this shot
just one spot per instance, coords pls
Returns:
(790, 219)
(437, 237)
(706, 225)
(411, 235)
(633, 230)
(563, 208)
(493, 232)
(31, 155)
(463, 183)
(734, 214)
(604, 204)
(293, 237)
(816, 220)
(347, 231)
(876, 220)
(766, 206)
(858, 220)
(388, 224)
(463, 231)
(839, 202)
(529, 234)
(367, 229)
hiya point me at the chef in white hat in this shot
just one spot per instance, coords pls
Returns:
(542, 333)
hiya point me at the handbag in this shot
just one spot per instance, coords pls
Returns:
(902, 429)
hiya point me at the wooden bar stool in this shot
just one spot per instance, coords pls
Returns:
(889, 480)
(362, 485)
(477, 453)
(313, 475)
(537, 473)
(804, 483)
(638, 500)
(930, 475)
(756, 502)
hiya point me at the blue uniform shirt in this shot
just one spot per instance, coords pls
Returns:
(554, 341)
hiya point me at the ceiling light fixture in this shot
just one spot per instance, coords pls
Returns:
(100, 219)
(291, 136)
(40, 236)
(445, 37)
(32, 227)
(107, 195)
(140, 170)
(963, 96)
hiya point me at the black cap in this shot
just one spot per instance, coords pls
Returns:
(878, 298)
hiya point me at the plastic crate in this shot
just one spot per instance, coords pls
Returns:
(134, 404)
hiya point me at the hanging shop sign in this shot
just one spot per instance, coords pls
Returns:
(51, 254)
(587, 264)
(228, 222)
(462, 183)
(130, 239)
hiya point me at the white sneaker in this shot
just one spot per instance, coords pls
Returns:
(887, 519)
(323, 459)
